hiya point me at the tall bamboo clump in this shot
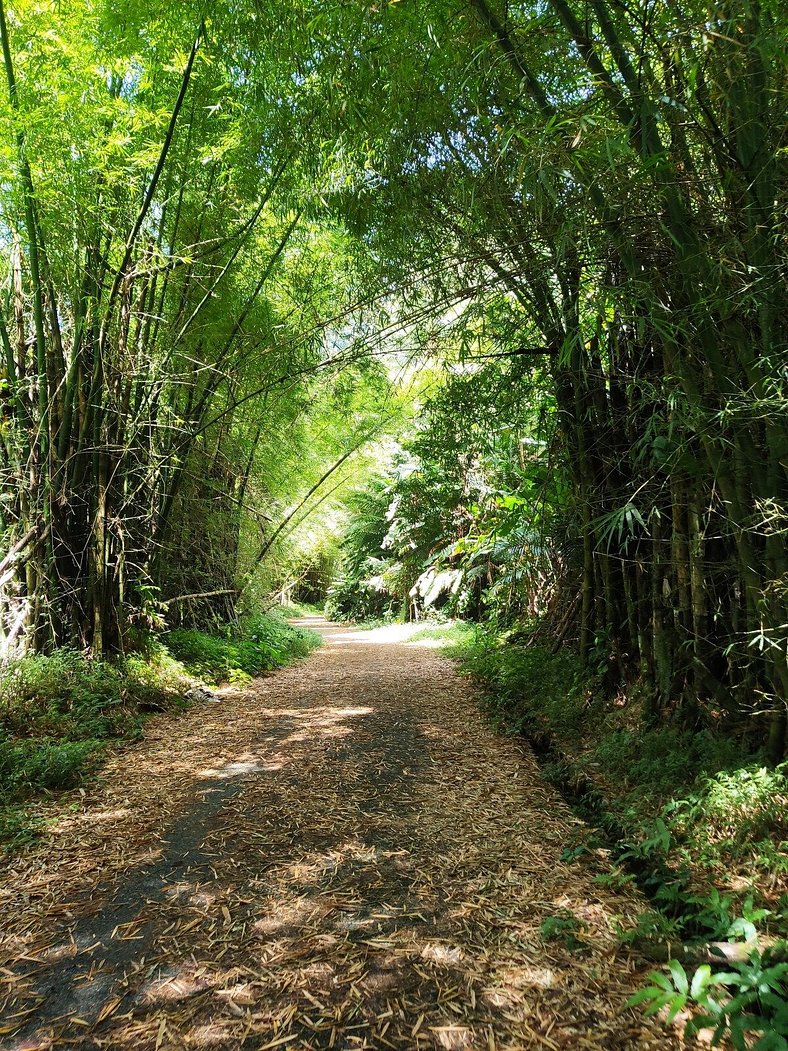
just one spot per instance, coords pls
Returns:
(620, 171)
(131, 291)
(659, 283)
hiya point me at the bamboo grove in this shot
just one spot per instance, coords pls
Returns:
(147, 218)
(591, 195)
(671, 361)
(618, 172)
(664, 308)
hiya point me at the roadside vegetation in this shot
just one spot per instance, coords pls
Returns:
(472, 310)
(709, 811)
(61, 713)
(256, 645)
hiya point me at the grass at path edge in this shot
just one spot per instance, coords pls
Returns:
(60, 713)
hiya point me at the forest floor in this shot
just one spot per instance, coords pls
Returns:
(342, 855)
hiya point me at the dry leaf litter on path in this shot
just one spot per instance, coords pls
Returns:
(344, 855)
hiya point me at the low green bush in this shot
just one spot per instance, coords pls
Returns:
(66, 695)
(57, 712)
(733, 815)
(563, 927)
(452, 634)
(662, 759)
(746, 1005)
(288, 641)
(258, 644)
(18, 826)
(44, 763)
(528, 686)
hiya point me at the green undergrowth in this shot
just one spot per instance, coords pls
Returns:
(693, 811)
(697, 821)
(60, 713)
(452, 634)
(364, 623)
(441, 631)
(297, 609)
(239, 652)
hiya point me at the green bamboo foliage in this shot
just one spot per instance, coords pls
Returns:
(619, 171)
(154, 203)
(170, 205)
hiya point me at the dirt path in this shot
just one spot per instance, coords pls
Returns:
(342, 856)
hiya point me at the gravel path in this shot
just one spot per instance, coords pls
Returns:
(342, 856)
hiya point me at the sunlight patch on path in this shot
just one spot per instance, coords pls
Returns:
(342, 856)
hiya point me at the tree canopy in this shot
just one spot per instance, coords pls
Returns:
(538, 247)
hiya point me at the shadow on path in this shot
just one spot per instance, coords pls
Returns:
(370, 867)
